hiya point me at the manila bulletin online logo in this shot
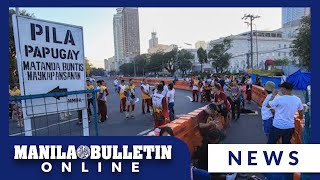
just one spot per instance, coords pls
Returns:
(83, 152)
(105, 154)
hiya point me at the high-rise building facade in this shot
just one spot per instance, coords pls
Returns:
(153, 42)
(126, 35)
(291, 18)
(118, 35)
(292, 14)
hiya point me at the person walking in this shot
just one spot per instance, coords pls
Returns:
(248, 83)
(170, 96)
(285, 107)
(195, 89)
(235, 99)
(146, 97)
(130, 98)
(102, 106)
(89, 101)
(89, 98)
(115, 84)
(160, 107)
(267, 113)
(122, 95)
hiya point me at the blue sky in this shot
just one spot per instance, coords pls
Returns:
(173, 25)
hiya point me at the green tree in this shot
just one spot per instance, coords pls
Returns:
(169, 59)
(127, 69)
(13, 70)
(141, 63)
(202, 55)
(97, 71)
(156, 63)
(88, 66)
(301, 45)
(184, 60)
(219, 55)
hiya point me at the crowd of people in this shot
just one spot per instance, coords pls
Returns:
(225, 92)
(157, 101)
(225, 96)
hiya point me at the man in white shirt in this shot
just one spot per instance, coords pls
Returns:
(146, 96)
(115, 83)
(170, 96)
(283, 78)
(285, 107)
(267, 113)
(165, 89)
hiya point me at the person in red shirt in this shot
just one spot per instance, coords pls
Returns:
(220, 100)
(160, 107)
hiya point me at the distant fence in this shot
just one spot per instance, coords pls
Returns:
(69, 121)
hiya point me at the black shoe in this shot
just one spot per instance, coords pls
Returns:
(148, 111)
(144, 112)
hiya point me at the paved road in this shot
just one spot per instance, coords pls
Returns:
(116, 125)
(247, 129)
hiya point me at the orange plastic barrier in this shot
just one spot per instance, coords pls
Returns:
(296, 176)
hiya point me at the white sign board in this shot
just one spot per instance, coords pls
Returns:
(50, 58)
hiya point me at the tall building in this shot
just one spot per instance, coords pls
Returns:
(109, 64)
(292, 14)
(153, 42)
(291, 18)
(126, 35)
(118, 36)
(202, 44)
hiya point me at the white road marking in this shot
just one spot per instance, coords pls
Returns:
(251, 114)
(190, 98)
(143, 132)
(137, 100)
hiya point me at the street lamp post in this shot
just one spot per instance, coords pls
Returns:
(252, 17)
(257, 45)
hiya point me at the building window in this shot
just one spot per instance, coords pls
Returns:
(262, 54)
(279, 45)
(285, 46)
(279, 54)
(268, 54)
(273, 54)
(284, 54)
